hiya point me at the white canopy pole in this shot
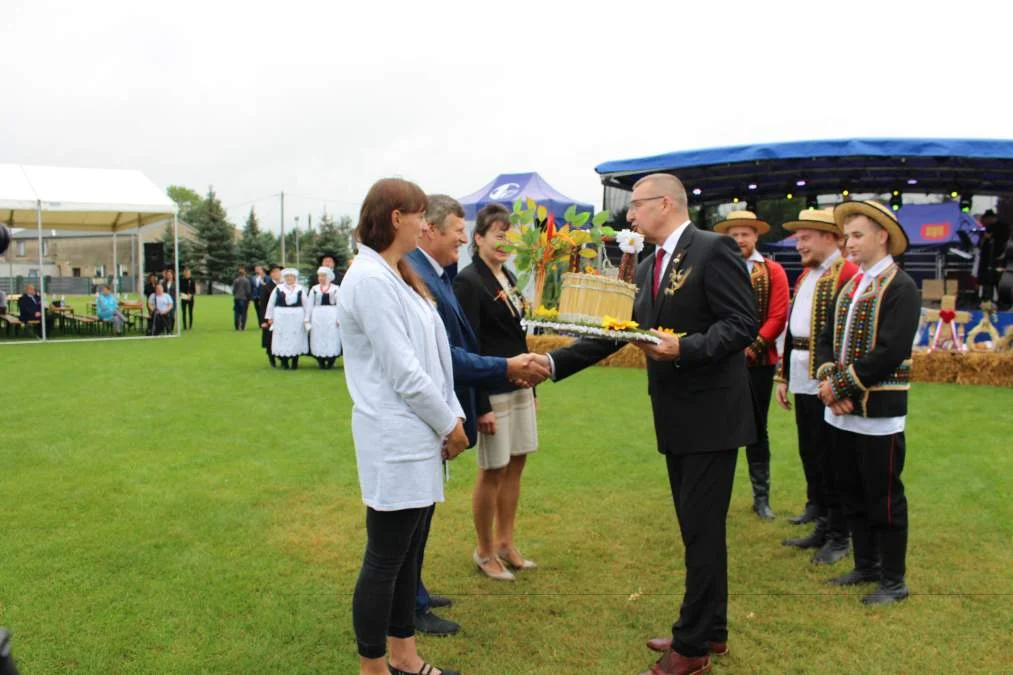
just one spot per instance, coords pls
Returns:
(139, 288)
(116, 269)
(42, 268)
(175, 255)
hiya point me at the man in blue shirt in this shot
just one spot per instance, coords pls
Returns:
(439, 248)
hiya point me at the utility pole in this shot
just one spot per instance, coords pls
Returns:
(283, 228)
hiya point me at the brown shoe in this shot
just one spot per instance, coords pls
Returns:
(664, 644)
(673, 663)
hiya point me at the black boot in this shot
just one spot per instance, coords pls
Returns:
(274, 362)
(284, 362)
(867, 567)
(295, 363)
(807, 516)
(837, 546)
(759, 476)
(893, 544)
(814, 540)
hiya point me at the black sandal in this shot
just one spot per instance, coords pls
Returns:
(427, 669)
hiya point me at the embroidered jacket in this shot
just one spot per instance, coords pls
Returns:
(770, 288)
(829, 283)
(875, 372)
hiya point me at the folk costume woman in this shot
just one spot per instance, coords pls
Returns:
(286, 316)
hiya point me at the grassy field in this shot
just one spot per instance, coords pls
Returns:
(178, 506)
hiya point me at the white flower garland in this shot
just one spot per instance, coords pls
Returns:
(592, 331)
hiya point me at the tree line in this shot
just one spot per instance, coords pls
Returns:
(219, 247)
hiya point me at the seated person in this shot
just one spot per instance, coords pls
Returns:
(3, 302)
(160, 305)
(107, 307)
(30, 309)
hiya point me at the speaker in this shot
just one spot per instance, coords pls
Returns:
(154, 258)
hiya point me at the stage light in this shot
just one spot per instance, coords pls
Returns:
(896, 201)
(954, 194)
(789, 196)
(811, 202)
(845, 192)
(752, 186)
(965, 204)
(735, 200)
(896, 193)
(800, 183)
(912, 181)
(697, 192)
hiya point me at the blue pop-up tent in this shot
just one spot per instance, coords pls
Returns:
(507, 188)
(927, 226)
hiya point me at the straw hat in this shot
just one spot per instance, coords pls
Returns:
(897, 241)
(742, 218)
(815, 219)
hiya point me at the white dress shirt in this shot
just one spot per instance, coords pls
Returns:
(867, 426)
(800, 322)
(399, 374)
(753, 260)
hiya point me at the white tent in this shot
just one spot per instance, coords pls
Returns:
(93, 200)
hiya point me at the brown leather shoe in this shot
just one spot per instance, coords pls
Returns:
(664, 644)
(673, 663)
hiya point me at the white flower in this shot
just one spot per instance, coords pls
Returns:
(630, 241)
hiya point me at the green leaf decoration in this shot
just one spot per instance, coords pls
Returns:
(581, 220)
(571, 214)
(588, 253)
(600, 218)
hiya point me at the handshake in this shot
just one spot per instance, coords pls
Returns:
(527, 370)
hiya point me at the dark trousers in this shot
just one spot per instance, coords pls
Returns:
(422, 594)
(256, 308)
(240, 309)
(187, 313)
(384, 600)
(761, 380)
(702, 490)
(161, 323)
(814, 448)
(868, 472)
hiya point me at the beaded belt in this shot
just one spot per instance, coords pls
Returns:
(800, 343)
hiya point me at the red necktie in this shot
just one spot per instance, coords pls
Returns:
(659, 266)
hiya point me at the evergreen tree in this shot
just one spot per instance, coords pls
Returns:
(255, 247)
(332, 239)
(216, 241)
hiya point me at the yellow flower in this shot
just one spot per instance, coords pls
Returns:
(612, 323)
(544, 312)
(670, 331)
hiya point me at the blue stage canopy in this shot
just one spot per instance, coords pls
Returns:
(507, 188)
(771, 170)
(926, 225)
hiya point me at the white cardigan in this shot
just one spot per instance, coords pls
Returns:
(399, 374)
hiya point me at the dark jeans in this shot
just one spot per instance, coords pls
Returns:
(384, 600)
(422, 594)
(761, 380)
(868, 472)
(240, 309)
(702, 490)
(256, 308)
(187, 313)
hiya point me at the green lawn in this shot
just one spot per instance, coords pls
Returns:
(178, 506)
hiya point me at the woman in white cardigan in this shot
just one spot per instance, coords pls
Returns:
(405, 419)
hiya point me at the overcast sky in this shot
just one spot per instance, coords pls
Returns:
(319, 99)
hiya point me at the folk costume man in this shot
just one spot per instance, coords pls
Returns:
(865, 357)
(770, 288)
(825, 270)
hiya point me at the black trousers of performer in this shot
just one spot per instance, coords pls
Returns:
(702, 490)
(814, 447)
(384, 600)
(187, 313)
(868, 472)
(761, 380)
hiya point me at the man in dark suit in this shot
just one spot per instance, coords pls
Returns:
(265, 331)
(439, 248)
(257, 284)
(30, 310)
(695, 284)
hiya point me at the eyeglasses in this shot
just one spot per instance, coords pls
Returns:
(637, 203)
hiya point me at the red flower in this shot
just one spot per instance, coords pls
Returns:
(550, 227)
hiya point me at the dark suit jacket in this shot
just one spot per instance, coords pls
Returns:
(702, 401)
(470, 368)
(28, 305)
(498, 329)
(172, 290)
(256, 292)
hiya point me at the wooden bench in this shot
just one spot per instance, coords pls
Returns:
(13, 323)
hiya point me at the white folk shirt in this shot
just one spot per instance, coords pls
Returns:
(753, 260)
(399, 374)
(800, 322)
(867, 426)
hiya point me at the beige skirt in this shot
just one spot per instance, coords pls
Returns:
(516, 429)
